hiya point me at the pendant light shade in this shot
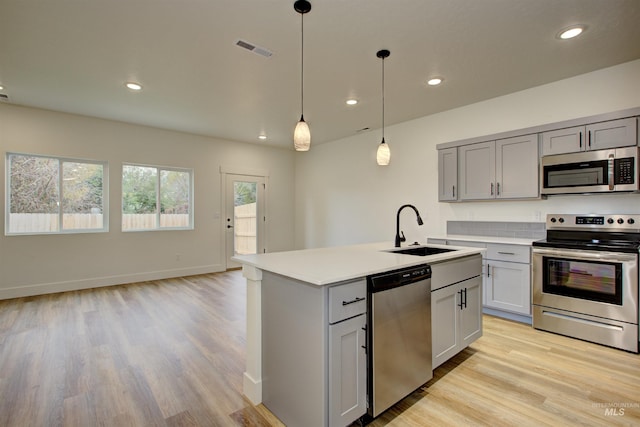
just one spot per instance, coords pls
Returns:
(302, 134)
(383, 156)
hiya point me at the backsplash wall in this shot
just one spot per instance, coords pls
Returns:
(520, 230)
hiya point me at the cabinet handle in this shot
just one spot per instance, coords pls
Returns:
(498, 189)
(465, 297)
(460, 299)
(589, 139)
(506, 253)
(454, 191)
(353, 301)
(488, 270)
(580, 139)
(366, 338)
(492, 188)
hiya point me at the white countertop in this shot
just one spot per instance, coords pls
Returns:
(325, 266)
(487, 239)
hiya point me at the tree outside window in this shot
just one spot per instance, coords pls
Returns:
(156, 198)
(53, 195)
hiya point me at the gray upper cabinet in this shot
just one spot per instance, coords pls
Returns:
(502, 169)
(596, 136)
(517, 167)
(448, 174)
(477, 167)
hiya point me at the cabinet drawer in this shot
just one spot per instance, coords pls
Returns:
(347, 300)
(513, 253)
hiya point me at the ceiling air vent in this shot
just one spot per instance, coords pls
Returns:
(4, 97)
(253, 48)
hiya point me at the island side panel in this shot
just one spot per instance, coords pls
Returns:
(294, 350)
(252, 381)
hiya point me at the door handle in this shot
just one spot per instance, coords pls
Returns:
(229, 226)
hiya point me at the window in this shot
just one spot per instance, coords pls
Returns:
(156, 198)
(55, 195)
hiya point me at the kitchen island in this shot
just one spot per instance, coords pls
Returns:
(295, 329)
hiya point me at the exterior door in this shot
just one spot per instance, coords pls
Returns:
(244, 216)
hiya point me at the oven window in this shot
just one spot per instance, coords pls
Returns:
(590, 280)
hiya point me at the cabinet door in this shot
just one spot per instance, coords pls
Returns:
(517, 167)
(508, 286)
(471, 311)
(444, 324)
(448, 174)
(569, 140)
(347, 371)
(477, 168)
(612, 134)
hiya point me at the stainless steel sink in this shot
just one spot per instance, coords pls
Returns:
(420, 250)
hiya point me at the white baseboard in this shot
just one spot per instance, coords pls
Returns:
(252, 389)
(97, 282)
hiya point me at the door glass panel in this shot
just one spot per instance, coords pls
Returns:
(245, 217)
(592, 280)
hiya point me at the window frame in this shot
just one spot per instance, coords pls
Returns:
(61, 230)
(158, 213)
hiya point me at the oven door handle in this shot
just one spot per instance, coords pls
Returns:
(586, 255)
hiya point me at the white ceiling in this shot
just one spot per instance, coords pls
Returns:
(75, 55)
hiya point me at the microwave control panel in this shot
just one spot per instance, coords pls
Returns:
(623, 171)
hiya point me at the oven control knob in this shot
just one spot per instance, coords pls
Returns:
(630, 221)
(561, 220)
(620, 221)
(553, 220)
(610, 221)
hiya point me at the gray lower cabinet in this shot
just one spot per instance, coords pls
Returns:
(457, 316)
(347, 353)
(506, 277)
(313, 363)
(456, 307)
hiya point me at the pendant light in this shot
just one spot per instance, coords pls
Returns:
(301, 134)
(384, 154)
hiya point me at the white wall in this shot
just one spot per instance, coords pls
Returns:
(46, 263)
(343, 197)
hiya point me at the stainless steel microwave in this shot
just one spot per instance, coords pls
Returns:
(590, 172)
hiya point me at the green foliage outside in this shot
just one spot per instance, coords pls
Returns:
(244, 192)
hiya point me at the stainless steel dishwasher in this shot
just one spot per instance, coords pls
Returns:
(399, 336)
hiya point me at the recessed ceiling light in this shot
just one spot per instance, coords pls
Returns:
(435, 81)
(133, 86)
(262, 136)
(352, 101)
(1, 87)
(571, 32)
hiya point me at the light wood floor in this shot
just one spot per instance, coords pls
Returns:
(171, 353)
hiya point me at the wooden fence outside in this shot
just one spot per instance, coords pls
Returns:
(245, 233)
(47, 223)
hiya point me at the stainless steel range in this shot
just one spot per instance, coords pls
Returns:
(585, 278)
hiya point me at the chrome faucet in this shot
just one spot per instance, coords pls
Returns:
(400, 234)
